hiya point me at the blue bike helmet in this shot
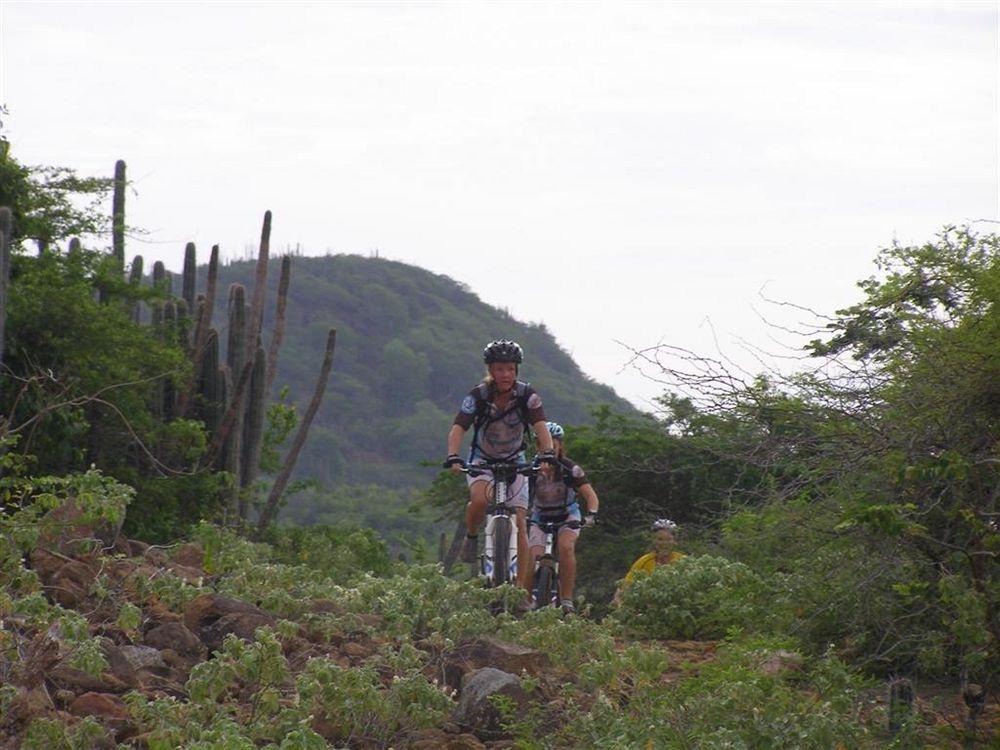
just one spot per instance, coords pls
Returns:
(555, 430)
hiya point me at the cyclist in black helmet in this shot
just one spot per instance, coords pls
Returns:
(500, 409)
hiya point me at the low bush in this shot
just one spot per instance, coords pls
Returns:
(696, 597)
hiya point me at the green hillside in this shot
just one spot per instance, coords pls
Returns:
(408, 349)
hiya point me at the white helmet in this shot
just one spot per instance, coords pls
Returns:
(663, 523)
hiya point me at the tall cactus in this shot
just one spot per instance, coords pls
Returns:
(278, 334)
(190, 274)
(256, 318)
(210, 404)
(159, 274)
(253, 427)
(118, 216)
(270, 509)
(135, 279)
(183, 331)
(235, 359)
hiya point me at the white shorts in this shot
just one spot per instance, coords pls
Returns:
(536, 537)
(517, 491)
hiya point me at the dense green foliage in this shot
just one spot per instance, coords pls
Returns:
(695, 597)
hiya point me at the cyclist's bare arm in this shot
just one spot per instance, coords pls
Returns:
(455, 435)
(589, 497)
(542, 436)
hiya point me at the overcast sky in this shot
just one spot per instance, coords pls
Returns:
(622, 171)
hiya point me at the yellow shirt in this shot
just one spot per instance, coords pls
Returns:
(647, 562)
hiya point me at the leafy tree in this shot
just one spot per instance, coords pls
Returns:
(892, 437)
(45, 201)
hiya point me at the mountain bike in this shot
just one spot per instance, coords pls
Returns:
(498, 563)
(546, 587)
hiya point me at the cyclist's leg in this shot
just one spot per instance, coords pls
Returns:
(517, 498)
(567, 562)
(524, 572)
(475, 510)
(566, 541)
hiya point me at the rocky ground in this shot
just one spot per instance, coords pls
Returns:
(154, 652)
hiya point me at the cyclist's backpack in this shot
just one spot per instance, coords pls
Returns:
(481, 418)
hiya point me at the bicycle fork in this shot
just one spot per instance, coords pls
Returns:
(489, 552)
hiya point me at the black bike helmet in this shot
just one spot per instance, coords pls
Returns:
(503, 350)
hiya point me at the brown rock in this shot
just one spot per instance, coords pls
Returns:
(65, 677)
(177, 637)
(476, 708)
(156, 556)
(66, 580)
(190, 555)
(41, 655)
(356, 650)
(157, 611)
(144, 657)
(206, 609)
(489, 652)
(137, 548)
(119, 664)
(26, 706)
(241, 624)
(99, 705)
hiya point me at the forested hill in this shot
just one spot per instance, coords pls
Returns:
(409, 346)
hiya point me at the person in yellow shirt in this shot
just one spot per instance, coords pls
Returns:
(664, 539)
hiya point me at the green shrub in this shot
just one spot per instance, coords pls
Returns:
(696, 597)
(732, 703)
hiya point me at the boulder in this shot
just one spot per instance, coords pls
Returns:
(176, 637)
(102, 706)
(190, 555)
(206, 609)
(66, 580)
(144, 657)
(241, 624)
(40, 656)
(356, 650)
(477, 653)
(475, 708)
(65, 677)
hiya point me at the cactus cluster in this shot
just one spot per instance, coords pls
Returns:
(227, 396)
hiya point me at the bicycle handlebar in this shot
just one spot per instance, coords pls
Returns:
(494, 467)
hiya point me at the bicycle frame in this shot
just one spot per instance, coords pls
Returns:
(503, 474)
(550, 559)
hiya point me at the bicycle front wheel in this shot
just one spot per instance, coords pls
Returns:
(501, 551)
(545, 586)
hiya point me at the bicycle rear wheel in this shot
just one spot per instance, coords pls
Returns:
(501, 551)
(545, 585)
